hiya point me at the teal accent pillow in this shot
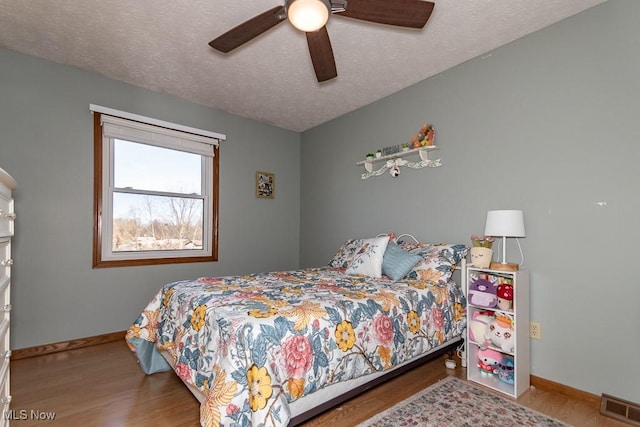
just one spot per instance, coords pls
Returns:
(397, 262)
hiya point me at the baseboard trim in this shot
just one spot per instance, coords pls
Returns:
(549, 385)
(41, 350)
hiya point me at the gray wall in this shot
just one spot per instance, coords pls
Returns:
(547, 124)
(46, 143)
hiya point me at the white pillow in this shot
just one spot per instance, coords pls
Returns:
(368, 259)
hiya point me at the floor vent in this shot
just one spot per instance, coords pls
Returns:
(619, 409)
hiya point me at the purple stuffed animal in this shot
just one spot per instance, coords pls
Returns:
(483, 292)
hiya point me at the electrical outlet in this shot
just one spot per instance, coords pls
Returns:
(535, 331)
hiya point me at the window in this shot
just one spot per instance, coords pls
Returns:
(156, 191)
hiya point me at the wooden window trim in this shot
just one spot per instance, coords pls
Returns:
(98, 262)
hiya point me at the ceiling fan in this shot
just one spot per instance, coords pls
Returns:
(311, 16)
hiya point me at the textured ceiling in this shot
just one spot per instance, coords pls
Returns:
(162, 45)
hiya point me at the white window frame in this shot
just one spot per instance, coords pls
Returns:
(125, 126)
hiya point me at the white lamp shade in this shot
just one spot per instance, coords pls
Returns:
(505, 223)
(308, 15)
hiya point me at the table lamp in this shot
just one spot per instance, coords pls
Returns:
(504, 223)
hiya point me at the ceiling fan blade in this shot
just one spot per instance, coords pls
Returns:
(248, 30)
(322, 54)
(402, 13)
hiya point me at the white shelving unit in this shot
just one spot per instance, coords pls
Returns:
(520, 315)
(398, 159)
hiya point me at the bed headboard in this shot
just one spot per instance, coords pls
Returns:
(406, 235)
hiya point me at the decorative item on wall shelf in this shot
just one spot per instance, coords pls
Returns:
(393, 156)
(481, 252)
(265, 185)
(426, 136)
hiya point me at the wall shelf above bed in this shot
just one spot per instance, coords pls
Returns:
(393, 162)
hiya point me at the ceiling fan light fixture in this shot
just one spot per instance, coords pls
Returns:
(308, 15)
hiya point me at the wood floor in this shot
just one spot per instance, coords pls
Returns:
(102, 385)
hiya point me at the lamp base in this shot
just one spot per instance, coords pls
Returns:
(504, 267)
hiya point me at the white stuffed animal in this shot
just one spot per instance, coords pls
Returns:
(500, 333)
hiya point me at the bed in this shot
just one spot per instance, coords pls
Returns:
(276, 348)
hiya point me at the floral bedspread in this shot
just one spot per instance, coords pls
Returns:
(251, 344)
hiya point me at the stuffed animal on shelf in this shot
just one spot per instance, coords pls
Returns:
(478, 327)
(505, 370)
(500, 333)
(489, 361)
(483, 292)
(505, 296)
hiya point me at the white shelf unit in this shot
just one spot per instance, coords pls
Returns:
(397, 159)
(520, 314)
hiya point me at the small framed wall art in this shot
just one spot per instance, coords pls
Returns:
(265, 185)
